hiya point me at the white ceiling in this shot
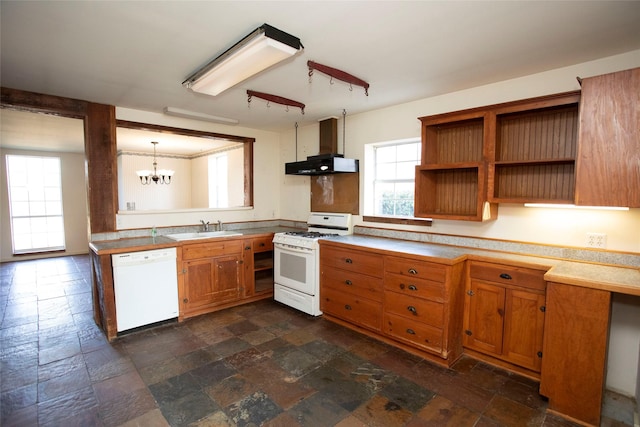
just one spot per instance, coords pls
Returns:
(136, 54)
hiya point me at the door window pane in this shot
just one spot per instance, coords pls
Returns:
(35, 203)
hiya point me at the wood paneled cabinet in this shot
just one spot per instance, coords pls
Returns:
(408, 301)
(415, 298)
(451, 179)
(212, 275)
(608, 164)
(575, 351)
(504, 313)
(351, 286)
(516, 152)
(534, 151)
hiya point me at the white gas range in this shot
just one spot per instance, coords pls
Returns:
(297, 260)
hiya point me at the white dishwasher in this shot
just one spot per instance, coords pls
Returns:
(146, 287)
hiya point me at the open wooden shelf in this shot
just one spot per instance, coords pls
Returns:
(516, 152)
(535, 151)
(453, 193)
(451, 179)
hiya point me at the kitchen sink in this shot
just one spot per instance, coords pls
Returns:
(202, 235)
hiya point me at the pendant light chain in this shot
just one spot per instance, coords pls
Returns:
(344, 119)
(296, 141)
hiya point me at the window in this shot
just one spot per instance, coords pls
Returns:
(35, 203)
(218, 170)
(392, 178)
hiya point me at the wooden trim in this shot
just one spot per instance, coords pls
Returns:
(395, 220)
(102, 169)
(40, 103)
(504, 107)
(180, 131)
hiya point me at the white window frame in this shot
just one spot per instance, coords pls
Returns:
(35, 204)
(371, 179)
(218, 165)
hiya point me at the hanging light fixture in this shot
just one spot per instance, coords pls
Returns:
(261, 49)
(162, 176)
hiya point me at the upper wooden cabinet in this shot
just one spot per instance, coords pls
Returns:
(534, 151)
(608, 162)
(515, 152)
(451, 181)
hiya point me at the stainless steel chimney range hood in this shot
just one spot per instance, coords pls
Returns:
(328, 161)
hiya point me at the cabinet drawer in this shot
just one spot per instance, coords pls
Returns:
(414, 287)
(416, 309)
(351, 308)
(262, 244)
(359, 262)
(413, 333)
(415, 268)
(207, 250)
(355, 283)
(516, 276)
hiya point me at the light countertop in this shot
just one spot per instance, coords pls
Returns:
(610, 278)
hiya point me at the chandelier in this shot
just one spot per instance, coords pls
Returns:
(162, 176)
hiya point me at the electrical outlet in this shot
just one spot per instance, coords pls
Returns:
(596, 240)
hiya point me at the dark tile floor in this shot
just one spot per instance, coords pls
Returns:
(258, 364)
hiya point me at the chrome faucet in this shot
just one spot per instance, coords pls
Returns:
(205, 225)
(219, 225)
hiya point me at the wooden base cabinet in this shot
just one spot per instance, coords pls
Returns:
(505, 313)
(410, 302)
(575, 351)
(351, 286)
(212, 275)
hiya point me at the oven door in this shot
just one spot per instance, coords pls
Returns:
(296, 268)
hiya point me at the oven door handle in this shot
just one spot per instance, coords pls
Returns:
(293, 249)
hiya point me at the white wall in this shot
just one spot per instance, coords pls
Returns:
(177, 195)
(74, 204)
(515, 222)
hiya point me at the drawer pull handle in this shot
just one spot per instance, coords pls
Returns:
(413, 271)
(413, 310)
(413, 288)
(348, 282)
(411, 331)
(505, 276)
(347, 306)
(348, 261)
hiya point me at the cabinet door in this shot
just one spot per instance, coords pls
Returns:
(211, 281)
(485, 321)
(608, 168)
(226, 285)
(199, 283)
(523, 325)
(575, 351)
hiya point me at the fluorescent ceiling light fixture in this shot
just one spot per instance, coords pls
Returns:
(179, 112)
(561, 206)
(261, 49)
